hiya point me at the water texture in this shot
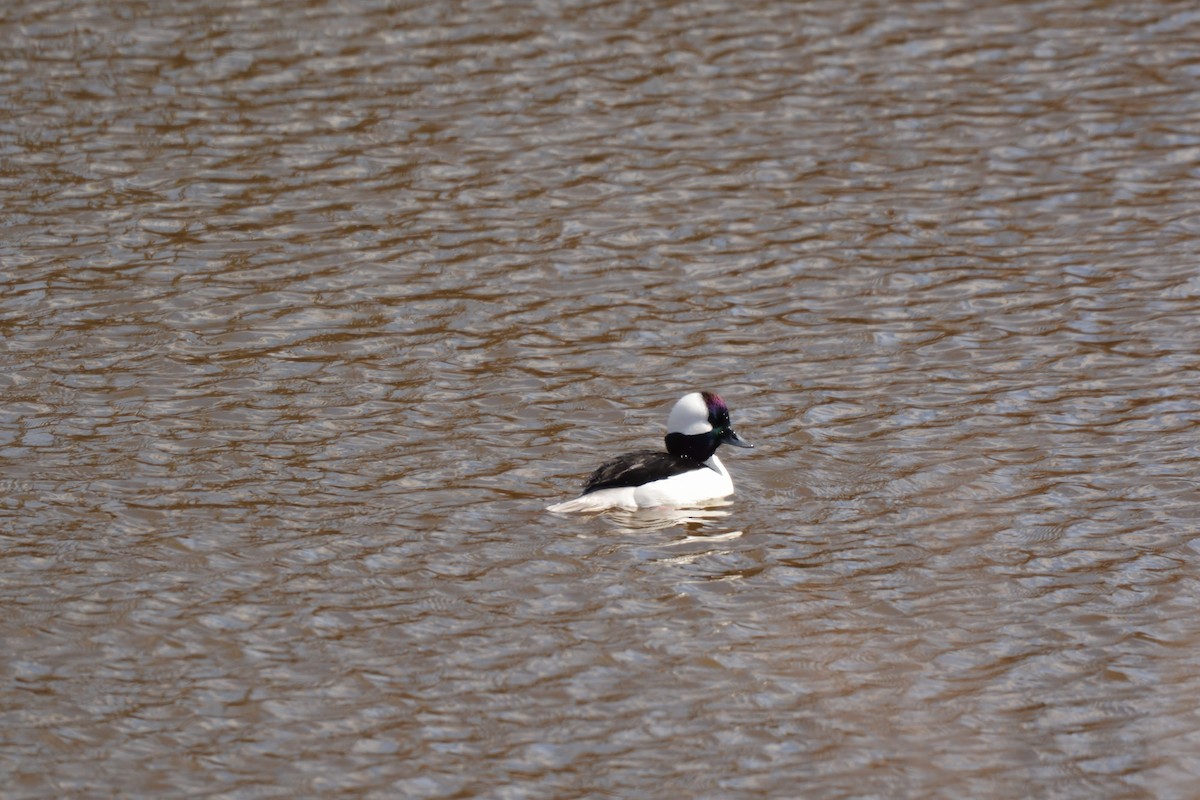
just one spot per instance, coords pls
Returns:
(307, 311)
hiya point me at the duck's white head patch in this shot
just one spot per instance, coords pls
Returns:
(690, 415)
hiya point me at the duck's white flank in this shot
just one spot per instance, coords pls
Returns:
(709, 483)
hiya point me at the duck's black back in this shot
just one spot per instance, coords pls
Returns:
(635, 469)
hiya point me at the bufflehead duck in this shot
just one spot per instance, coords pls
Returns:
(687, 474)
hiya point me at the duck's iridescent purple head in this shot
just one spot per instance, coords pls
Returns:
(698, 425)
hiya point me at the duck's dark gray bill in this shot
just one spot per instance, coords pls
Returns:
(730, 437)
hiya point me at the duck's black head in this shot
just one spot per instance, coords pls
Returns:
(698, 425)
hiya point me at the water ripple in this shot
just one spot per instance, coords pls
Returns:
(308, 312)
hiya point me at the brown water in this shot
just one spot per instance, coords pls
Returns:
(308, 310)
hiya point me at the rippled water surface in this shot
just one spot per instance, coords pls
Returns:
(307, 311)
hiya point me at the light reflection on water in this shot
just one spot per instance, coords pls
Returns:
(307, 313)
